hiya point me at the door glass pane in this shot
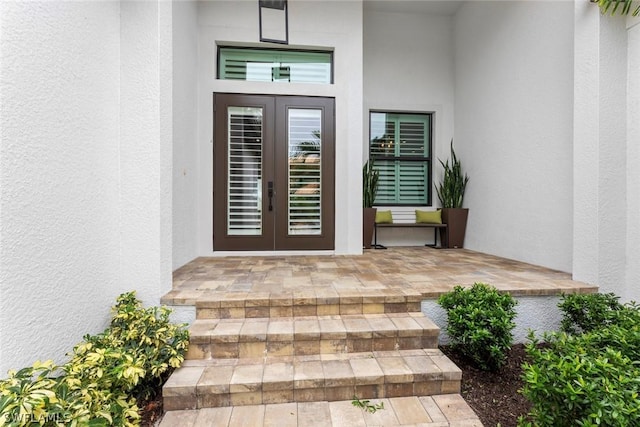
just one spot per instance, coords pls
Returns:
(244, 188)
(304, 179)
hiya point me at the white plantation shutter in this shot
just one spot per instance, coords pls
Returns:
(305, 184)
(275, 65)
(244, 198)
(400, 151)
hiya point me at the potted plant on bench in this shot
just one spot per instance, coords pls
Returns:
(451, 194)
(369, 189)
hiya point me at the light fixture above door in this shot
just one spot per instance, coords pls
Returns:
(274, 21)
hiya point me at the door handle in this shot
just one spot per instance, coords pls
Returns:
(270, 194)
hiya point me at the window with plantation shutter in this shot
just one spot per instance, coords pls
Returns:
(275, 65)
(400, 149)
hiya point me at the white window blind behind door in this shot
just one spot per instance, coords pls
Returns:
(244, 195)
(304, 174)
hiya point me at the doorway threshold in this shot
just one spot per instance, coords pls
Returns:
(272, 253)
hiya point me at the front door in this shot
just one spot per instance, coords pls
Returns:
(273, 178)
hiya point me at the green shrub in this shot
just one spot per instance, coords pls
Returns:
(480, 323)
(106, 374)
(30, 397)
(590, 378)
(586, 312)
(585, 380)
(137, 351)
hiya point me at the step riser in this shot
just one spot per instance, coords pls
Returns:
(305, 348)
(303, 336)
(312, 378)
(331, 394)
(250, 312)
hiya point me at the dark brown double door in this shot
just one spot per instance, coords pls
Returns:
(273, 177)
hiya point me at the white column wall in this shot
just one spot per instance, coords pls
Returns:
(513, 127)
(606, 227)
(146, 147)
(185, 126)
(612, 145)
(59, 176)
(585, 148)
(408, 66)
(85, 177)
(632, 290)
(312, 24)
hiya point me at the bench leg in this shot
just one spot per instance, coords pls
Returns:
(375, 239)
(435, 239)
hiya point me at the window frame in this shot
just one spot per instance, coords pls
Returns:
(274, 50)
(428, 160)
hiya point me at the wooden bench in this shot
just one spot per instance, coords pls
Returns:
(404, 217)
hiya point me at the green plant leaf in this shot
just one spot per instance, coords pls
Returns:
(370, 177)
(451, 189)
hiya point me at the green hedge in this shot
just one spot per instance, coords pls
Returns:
(104, 378)
(590, 378)
(586, 312)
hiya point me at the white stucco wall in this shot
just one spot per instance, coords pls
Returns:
(632, 288)
(185, 126)
(146, 147)
(586, 132)
(59, 176)
(408, 67)
(513, 127)
(335, 25)
(605, 152)
(85, 177)
(612, 145)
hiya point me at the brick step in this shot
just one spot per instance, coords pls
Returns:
(436, 411)
(367, 375)
(323, 302)
(307, 335)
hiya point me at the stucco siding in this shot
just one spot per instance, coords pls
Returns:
(606, 228)
(85, 182)
(59, 176)
(185, 121)
(632, 291)
(146, 147)
(513, 127)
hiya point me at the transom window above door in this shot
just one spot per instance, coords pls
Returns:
(400, 149)
(275, 65)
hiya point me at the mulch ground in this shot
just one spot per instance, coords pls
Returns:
(151, 411)
(494, 395)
